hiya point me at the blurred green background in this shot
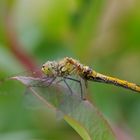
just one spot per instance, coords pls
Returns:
(102, 34)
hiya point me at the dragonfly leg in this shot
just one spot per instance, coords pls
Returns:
(66, 84)
(42, 83)
(78, 81)
(51, 81)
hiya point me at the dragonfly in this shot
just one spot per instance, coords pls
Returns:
(67, 67)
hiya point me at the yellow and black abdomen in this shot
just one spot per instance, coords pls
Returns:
(97, 77)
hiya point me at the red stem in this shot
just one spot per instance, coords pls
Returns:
(16, 48)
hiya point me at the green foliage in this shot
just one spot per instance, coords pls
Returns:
(79, 113)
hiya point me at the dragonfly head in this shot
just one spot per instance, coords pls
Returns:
(50, 68)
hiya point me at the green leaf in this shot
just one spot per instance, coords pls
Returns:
(78, 127)
(78, 113)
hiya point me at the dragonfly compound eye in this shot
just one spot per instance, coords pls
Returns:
(43, 68)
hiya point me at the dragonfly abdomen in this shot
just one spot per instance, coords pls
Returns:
(115, 81)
